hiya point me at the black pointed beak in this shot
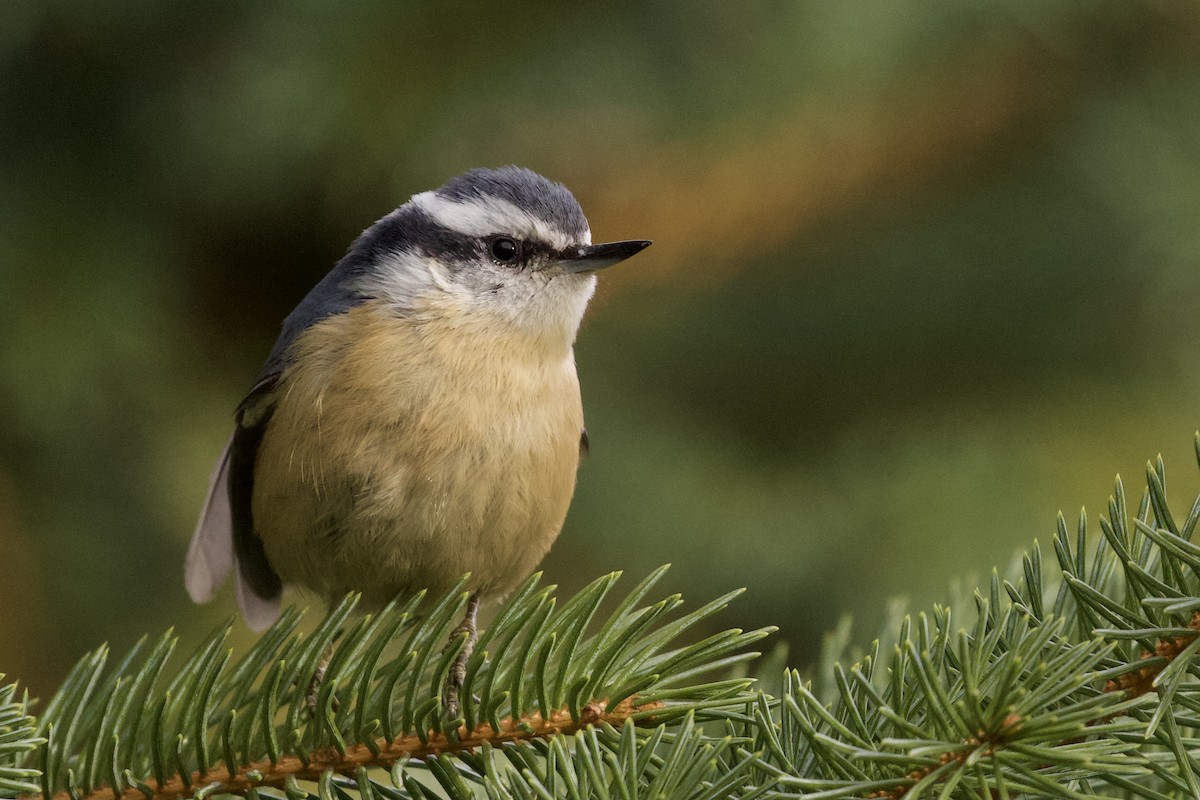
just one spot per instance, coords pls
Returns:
(593, 257)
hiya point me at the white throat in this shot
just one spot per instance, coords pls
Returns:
(545, 308)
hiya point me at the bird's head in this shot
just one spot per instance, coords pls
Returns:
(491, 247)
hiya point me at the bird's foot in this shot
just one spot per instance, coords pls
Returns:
(458, 669)
(314, 686)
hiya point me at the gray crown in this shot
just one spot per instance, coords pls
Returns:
(526, 190)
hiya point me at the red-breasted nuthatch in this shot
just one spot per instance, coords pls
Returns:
(419, 417)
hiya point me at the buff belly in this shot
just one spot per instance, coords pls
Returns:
(391, 465)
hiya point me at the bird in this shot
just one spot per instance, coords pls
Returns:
(419, 417)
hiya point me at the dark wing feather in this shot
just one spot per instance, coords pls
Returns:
(224, 537)
(259, 586)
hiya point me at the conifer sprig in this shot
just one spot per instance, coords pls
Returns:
(1072, 678)
(1075, 680)
(542, 669)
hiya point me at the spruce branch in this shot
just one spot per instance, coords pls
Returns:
(1075, 682)
(1076, 678)
(384, 755)
(543, 670)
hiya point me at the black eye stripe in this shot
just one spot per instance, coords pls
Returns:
(412, 229)
(498, 249)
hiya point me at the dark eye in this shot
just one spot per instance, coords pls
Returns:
(505, 250)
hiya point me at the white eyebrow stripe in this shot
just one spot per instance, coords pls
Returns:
(486, 216)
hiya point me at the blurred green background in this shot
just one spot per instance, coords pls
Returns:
(924, 273)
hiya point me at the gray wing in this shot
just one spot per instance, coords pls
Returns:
(259, 587)
(225, 537)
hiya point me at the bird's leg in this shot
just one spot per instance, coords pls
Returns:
(314, 686)
(458, 670)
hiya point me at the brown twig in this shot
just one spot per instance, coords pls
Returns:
(1138, 683)
(319, 761)
(993, 740)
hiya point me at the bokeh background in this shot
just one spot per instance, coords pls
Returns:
(924, 274)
